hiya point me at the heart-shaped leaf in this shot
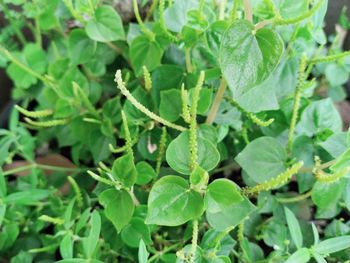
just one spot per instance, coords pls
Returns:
(247, 57)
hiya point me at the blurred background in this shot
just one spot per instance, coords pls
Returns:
(124, 7)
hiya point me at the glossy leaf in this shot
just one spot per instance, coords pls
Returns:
(171, 202)
(105, 26)
(178, 154)
(300, 256)
(333, 245)
(294, 228)
(220, 194)
(247, 59)
(263, 159)
(124, 171)
(118, 205)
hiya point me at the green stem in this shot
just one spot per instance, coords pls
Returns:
(217, 101)
(255, 119)
(140, 107)
(233, 15)
(298, 198)
(297, 99)
(21, 65)
(222, 7)
(151, 9)
(189, 65)
(330, 58)
(13, 23)
(41, 166)
(74, 13)
(144, 29)
(309, 13)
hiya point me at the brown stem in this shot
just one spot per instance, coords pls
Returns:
(216, 104)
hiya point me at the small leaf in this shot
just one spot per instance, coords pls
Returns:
(294, 228)
(66, 247)
(3, 184)
(332, 245)
(124, 171)
(223, 215)
(27, 197)
(106, 25)
(220, 194)
(145, 173)
(319, 116)
(178, 154)
(136, 231)
(171, 202)
(118, 205)
(143, 253)
(199, 178)
(315, 234)
(170, 107)
(81, 48)
(91, 241)
(144, 52)
(300, 256)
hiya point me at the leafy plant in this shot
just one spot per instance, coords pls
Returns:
(218, 141)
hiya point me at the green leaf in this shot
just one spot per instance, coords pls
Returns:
(144, 52)
(247, 59)
(319, 116)
(342, 162)
(315, 234)
(263, 159)
(336, 144)
(68, 222)
(220, 194)
(336, 74)
(300, 256)
(325, 195)
(3, 184)
(119, 207)
(2, 213)
(106, 25)
(136, 231)
(27, 197)
(166, 77)
(332, 245)
(178, 154)
(145, 173)
(171, 202)
(205, 98)
(290, 9)
(81, 48)
(33, 57)
(228, 216)
(142, 253)
(294, 228)
(124, 171)
(90, 243)
(176, 15)
(199, 178)
(170, 107)
(66, 247)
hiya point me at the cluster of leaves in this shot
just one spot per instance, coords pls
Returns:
(218, 141)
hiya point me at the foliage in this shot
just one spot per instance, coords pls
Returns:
(218, 141)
